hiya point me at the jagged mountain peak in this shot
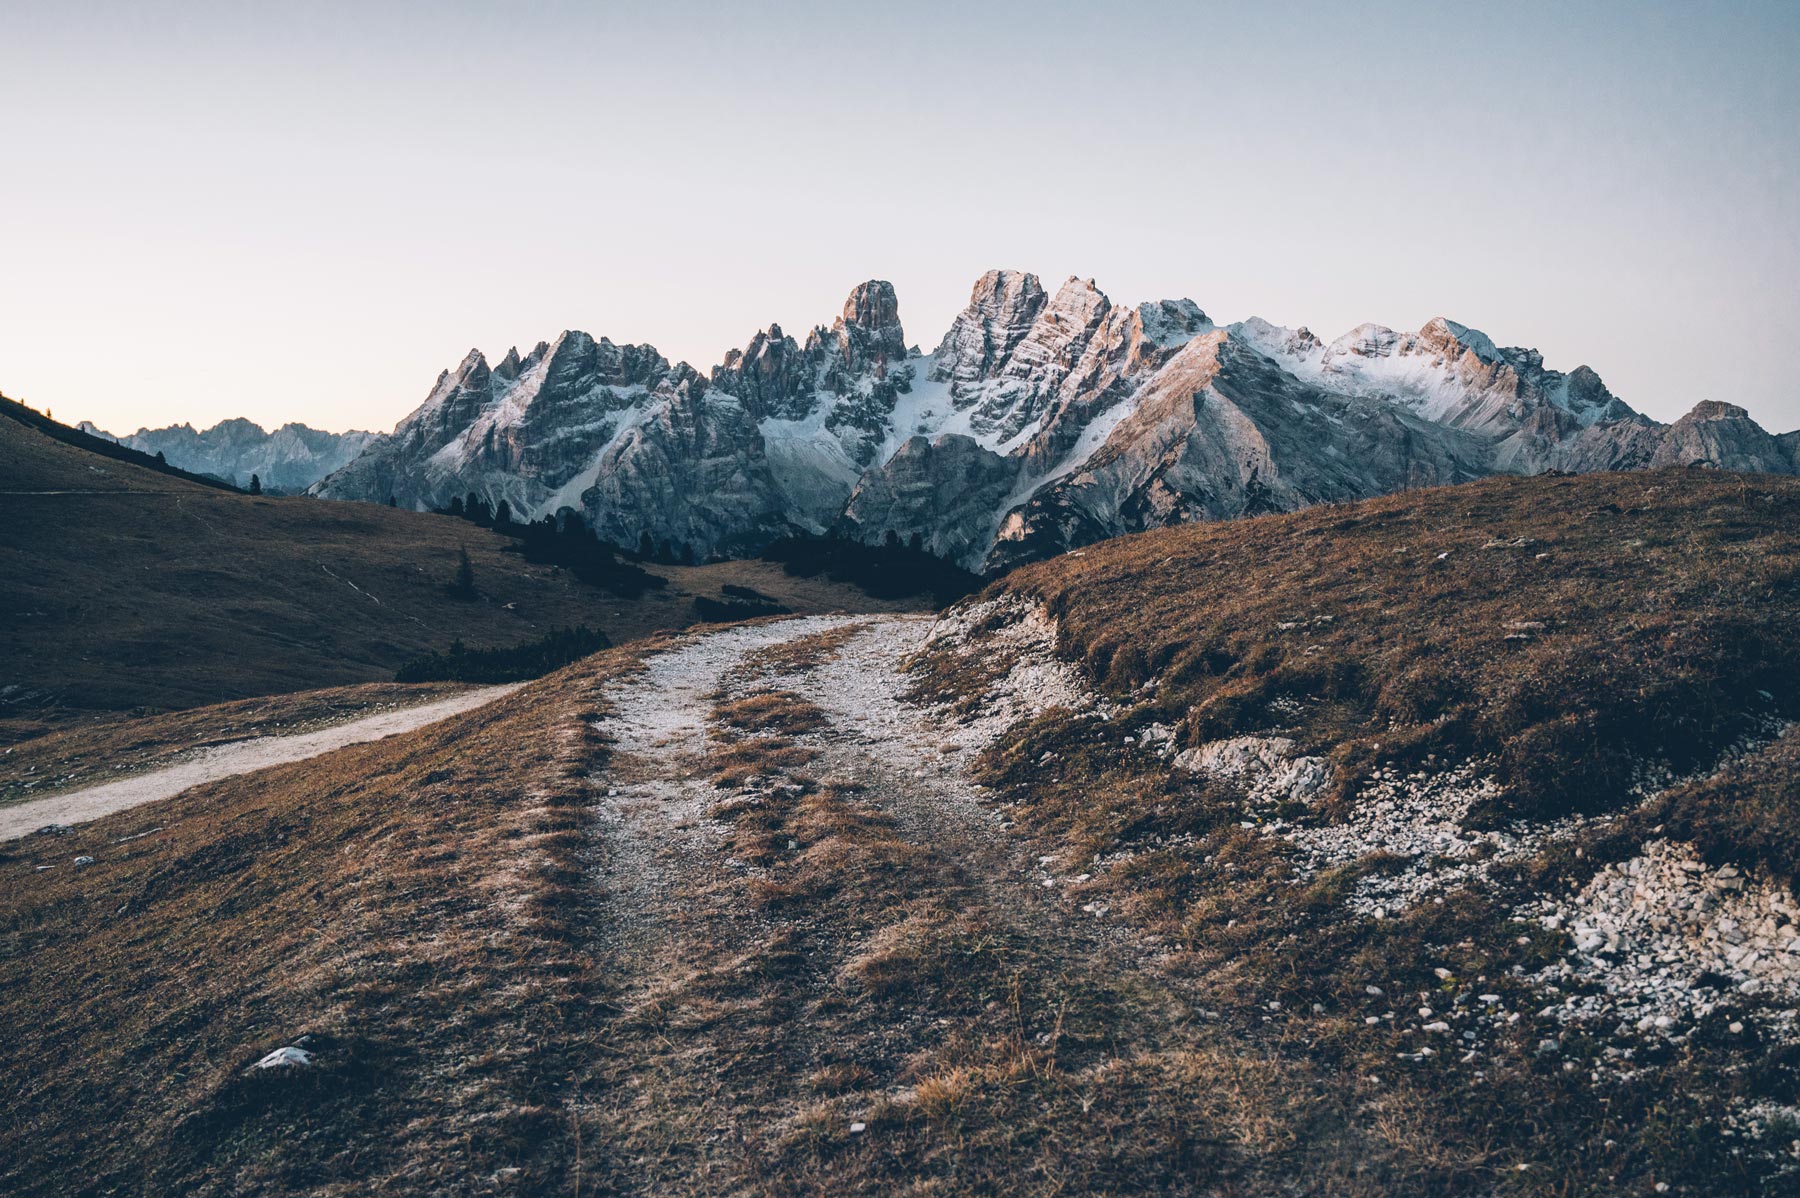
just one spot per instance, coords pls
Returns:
(1171, 322)
(1714, 409)
(1453, 338)
(1277, 341)
(1042, 419)
(868, 332)
(290, 458)
(1002, 308)
(872, 306)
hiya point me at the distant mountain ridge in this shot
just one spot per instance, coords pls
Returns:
(291, 458)
(1039, 423)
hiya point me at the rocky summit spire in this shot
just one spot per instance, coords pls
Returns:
(1002, 308)
(870, 327)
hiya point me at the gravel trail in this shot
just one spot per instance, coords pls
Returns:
(913, 760)
(651, 818)
(227, 761)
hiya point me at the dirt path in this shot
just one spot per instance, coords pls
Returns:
(657, 789)
(771, 944)
(913, 763)
(226, 761)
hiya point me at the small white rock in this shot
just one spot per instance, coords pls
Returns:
(287, 1057)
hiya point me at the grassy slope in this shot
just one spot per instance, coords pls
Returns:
(1669, 602)
(415, 905)
(403, 903)
(1568, 628)
(17, 412)
(162, 593)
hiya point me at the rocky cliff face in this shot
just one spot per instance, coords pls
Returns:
(1212, 434)
(1041, 422)
(292, 458)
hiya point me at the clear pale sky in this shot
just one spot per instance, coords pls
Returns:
(305, 211)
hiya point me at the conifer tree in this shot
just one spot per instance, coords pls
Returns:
(464, 585)
(255, 485)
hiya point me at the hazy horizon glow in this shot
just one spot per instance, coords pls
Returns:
(306, 212)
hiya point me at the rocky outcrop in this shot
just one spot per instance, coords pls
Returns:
(1220, 432)
(519, 433)
(1041, 421)
(692, 472)
(292, 458)
(1016, 363)
(1002, 310)
(1723, 436)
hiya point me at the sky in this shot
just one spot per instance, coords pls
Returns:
(306, 211)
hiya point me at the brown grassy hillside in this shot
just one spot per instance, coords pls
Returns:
(1569, 628)
(401, 905)
(121, 587)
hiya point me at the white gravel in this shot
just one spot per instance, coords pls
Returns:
(1663, 940)
(1036, 679)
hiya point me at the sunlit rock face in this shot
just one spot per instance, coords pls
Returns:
(1042, 421)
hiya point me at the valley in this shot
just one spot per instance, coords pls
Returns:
(129, 590)
(595, 603)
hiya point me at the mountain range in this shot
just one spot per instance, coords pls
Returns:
(1041, 421)
(291, 458)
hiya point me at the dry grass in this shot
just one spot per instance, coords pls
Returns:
(803, 652)
(1748, 812)
(1665, 601)
(770, 711)
(405, 903)
(417, 904)
(1568, 628)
